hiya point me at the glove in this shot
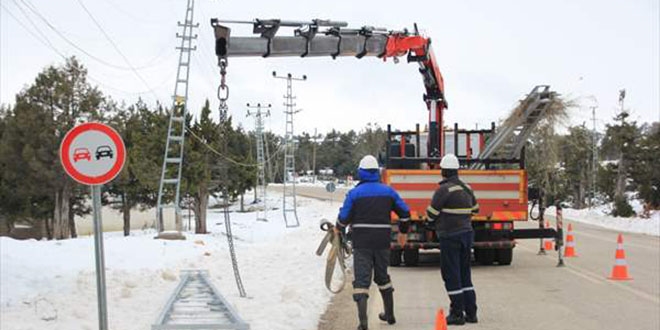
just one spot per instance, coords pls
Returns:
(404, 226)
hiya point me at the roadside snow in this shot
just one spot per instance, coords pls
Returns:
(599, 217)
(55, 280)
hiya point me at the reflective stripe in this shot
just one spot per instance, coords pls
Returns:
(385, 287)
(620, 262)
(367, 225)
(454, 188)
(340, 224)
(479, 194)
(458, 211)
(404, 219)
(452, 293)
(476, 207)
(432, 210)
(469, 288)
(360, 291)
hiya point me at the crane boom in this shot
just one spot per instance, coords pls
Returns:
(338, 41)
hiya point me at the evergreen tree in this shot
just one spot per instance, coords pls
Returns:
(576, 157)
(621, 143)
(644, 169)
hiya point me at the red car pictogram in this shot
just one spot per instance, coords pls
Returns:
(81, 153)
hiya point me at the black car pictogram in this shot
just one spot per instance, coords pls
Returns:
(103, 151)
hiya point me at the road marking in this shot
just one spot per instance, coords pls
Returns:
(627, 243)
(613, 231)
(600, 280)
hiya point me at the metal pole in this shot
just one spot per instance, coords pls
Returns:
(594, 158)
(541, 220)
(100, 262)
(560, 235)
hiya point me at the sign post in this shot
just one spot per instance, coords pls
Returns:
(94, 154)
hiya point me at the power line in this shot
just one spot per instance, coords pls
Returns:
(215, 151)
(46, 42)
(71, 43)
(114, 45)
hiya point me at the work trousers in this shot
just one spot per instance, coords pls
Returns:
(365, 263)
(455, 252)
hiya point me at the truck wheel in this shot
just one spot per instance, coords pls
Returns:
(395, 258)
(411, 257)
(484, 256)
(504, 256)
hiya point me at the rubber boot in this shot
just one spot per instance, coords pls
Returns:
(388, 303)
(455, 318)
(362, 313)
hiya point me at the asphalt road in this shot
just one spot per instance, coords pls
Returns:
(532, 293)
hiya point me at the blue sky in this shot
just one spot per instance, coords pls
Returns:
(490, 52)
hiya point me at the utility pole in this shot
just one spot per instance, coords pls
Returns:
(621, 175)
(289, 179)
(176, 131)
(314, 158)
(261, 185)
(594, 156)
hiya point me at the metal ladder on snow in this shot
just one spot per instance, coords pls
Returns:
(197, 304)
(510, 138)
(176, 130)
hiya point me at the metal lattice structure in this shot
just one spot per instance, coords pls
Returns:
(289, 178)
(197, 304)
(260, 198)
(170, 178)
(512, 135)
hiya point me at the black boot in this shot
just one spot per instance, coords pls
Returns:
(388, 303)
(362, 313)
(471, 318)
(455, 319)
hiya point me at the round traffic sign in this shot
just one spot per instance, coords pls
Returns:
(92, 153)
(330, 187)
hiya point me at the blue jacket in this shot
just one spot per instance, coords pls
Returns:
(367, 208)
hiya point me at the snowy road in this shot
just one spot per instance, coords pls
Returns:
(531, 293)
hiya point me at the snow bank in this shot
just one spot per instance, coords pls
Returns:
(599, 217)
(52, 285)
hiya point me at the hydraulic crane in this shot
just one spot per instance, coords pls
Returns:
(331, 38)
(412, 170)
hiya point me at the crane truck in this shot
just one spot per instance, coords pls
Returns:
(492, 161)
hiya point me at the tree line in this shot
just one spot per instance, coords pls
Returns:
(35, 190)
(625, 166)
(219, 157)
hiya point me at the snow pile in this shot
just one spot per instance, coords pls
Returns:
(599, 217)
(52, 284)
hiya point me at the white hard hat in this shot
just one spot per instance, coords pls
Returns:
(449, 162)
(369, 162)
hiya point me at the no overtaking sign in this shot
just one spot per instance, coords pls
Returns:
(92, 153)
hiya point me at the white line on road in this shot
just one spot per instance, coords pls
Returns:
(600, 280)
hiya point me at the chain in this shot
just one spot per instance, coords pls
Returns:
(223, 95)
(223, 90)
(230, 240)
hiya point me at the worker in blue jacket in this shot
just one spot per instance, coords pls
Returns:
(450, 213)
(367, 209)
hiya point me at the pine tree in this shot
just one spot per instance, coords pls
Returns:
(621, 142)
(576, 155)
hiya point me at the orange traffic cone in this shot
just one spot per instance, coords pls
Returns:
(440, 321)
(548, 246)
(620, 270)
(569, 251)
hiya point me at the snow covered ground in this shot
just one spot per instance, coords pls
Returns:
(52, 284)
(599, 216)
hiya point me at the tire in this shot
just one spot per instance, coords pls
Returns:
(395, 258)
(411, 257)
(504, 256)
(485, 257)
